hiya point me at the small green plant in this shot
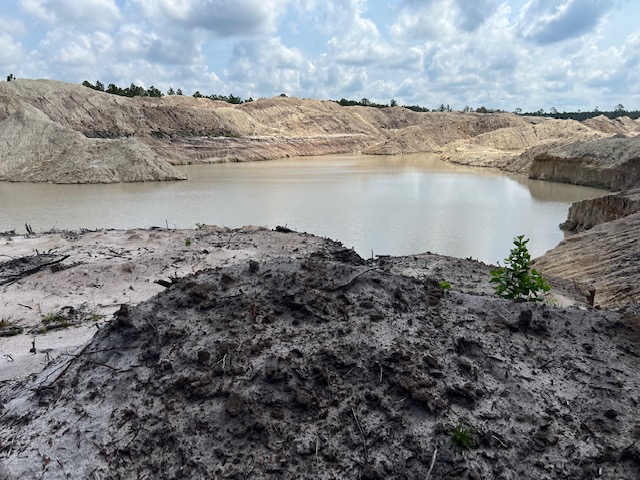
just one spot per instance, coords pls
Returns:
(517, 280)
(188, 241)
(461, 436)
(54, 317)
(9, 328)
(444, 285)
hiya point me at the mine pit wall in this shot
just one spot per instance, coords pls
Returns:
(581, 171)
(588, 213)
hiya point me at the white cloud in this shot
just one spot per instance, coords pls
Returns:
(11, 52)
(12, 26)
(549, 22)
(224, 18)
(87, 13)
(440, 18)
(267, 66)
(175, 47)
(497, 53)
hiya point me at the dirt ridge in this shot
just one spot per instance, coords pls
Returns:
(322, 365)
(185, 130)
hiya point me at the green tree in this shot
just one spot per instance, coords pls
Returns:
(517, 280)
(153, 92)
(393, 102)
(10, 77)
(171, 91)
(113, 89)
(179, 91)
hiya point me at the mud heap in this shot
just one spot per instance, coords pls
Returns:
(322, 365)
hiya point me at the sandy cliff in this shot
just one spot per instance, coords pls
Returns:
(611, 163)
(594, 211)
(605, 258)
(35, 149)
(187, 130)
(604, 255)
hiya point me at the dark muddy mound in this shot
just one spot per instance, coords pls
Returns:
(329, 367)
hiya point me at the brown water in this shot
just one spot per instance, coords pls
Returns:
(396, 205)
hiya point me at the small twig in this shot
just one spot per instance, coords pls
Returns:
(364, 437)
(546, 363)
(223, 360)
(345, 286)
(433, 462)
(152, 325)
(500, 441)
(105, 365)
(315, 314)
(103, 350)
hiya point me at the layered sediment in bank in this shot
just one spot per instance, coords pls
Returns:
(588, 213)
(87, 131)
(611, 163)
(605, 258)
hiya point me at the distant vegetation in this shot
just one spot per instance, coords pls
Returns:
(618, 111)
(136, 91)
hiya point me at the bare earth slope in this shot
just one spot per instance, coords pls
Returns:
(606, 257)
(612, 163)
(35, 149)
(186, 130)
(588, 213)
(321, 365)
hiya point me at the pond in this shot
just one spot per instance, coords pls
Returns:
(390, 205)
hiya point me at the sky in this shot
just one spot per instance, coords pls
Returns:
(502, 54)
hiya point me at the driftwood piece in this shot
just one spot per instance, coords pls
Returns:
(167, 283)
(19, 268)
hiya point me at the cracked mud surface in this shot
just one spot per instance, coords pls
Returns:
(322, 365)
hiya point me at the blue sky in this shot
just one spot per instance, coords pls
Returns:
(507, 54)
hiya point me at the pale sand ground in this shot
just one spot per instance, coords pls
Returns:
(106, 269)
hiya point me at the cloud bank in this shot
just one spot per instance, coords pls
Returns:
(567, 54)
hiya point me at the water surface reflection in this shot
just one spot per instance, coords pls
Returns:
(386, 204)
